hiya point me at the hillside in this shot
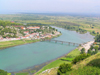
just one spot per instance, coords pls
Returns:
(89, 66)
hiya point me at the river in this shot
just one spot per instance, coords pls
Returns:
(21, 57)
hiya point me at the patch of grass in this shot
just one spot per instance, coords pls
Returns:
(33, 71)
(7, 44)
(88, 70)
(21, 73)
(8, 73)
(67, 59)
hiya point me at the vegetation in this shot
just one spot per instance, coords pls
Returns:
(78, 23)
(97, 38)
(82, 50)
(7, 44)
(2, 72)
(88, 70)
(63, 68)
(60, 61)
(80, 57)
(21, 73)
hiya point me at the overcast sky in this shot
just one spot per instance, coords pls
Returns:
(50, 6)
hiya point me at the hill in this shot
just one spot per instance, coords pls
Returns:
(88, 66)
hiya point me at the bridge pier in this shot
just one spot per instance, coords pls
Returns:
(73, 44)
(68, 43)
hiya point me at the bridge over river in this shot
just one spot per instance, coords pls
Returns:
(69, 43)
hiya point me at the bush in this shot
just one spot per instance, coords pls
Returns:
(64, 68)
(80, 57)
(82, 50)
(2, 72)
(89, 51)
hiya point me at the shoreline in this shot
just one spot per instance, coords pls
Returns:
(25, 42)
(88, 43)
(38, 68)
(41, 65)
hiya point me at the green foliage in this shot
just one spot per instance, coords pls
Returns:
(89, 51)
(96, 47)
(88, 70)
(63, 68)
(91, 47)
(80, 57)
(22, 73)
(97, 38)
(97, 32)
(82, 50)
(33, 71)
(53, 33)
(94, 63)
(2, 72)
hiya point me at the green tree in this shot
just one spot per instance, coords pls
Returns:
(97, 32)
(91, 47)
(89, 51)
(53, 33)
(96, 47)
(63, 68)
(82, 50)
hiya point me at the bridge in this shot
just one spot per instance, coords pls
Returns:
(69, 43)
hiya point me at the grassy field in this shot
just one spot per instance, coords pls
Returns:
(59, 61)
(7, 44)
(88, 66)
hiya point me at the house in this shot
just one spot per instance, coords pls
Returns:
(26, 32)
(23, 28)
(12, 21)
(33, 27)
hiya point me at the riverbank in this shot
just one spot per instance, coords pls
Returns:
(7, 44)
(67, 58)
(51, 68)
(87, 46)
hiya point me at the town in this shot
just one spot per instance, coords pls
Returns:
(29, 32)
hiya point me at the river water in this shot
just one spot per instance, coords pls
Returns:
(21, 57)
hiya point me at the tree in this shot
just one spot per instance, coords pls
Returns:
(93, 32)
(91, 47)
(96, 51)
(89, 51)
(97, 32)
(2, 72)
(96, 47)
(53, 33)
(63, 68)
(82, 50)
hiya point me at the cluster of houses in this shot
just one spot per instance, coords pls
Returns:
(37, 35)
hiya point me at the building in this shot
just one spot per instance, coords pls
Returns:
(23, 28)
(33, 27)
(12, 21)
(26, 32)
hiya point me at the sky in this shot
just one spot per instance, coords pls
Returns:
(50, 6)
